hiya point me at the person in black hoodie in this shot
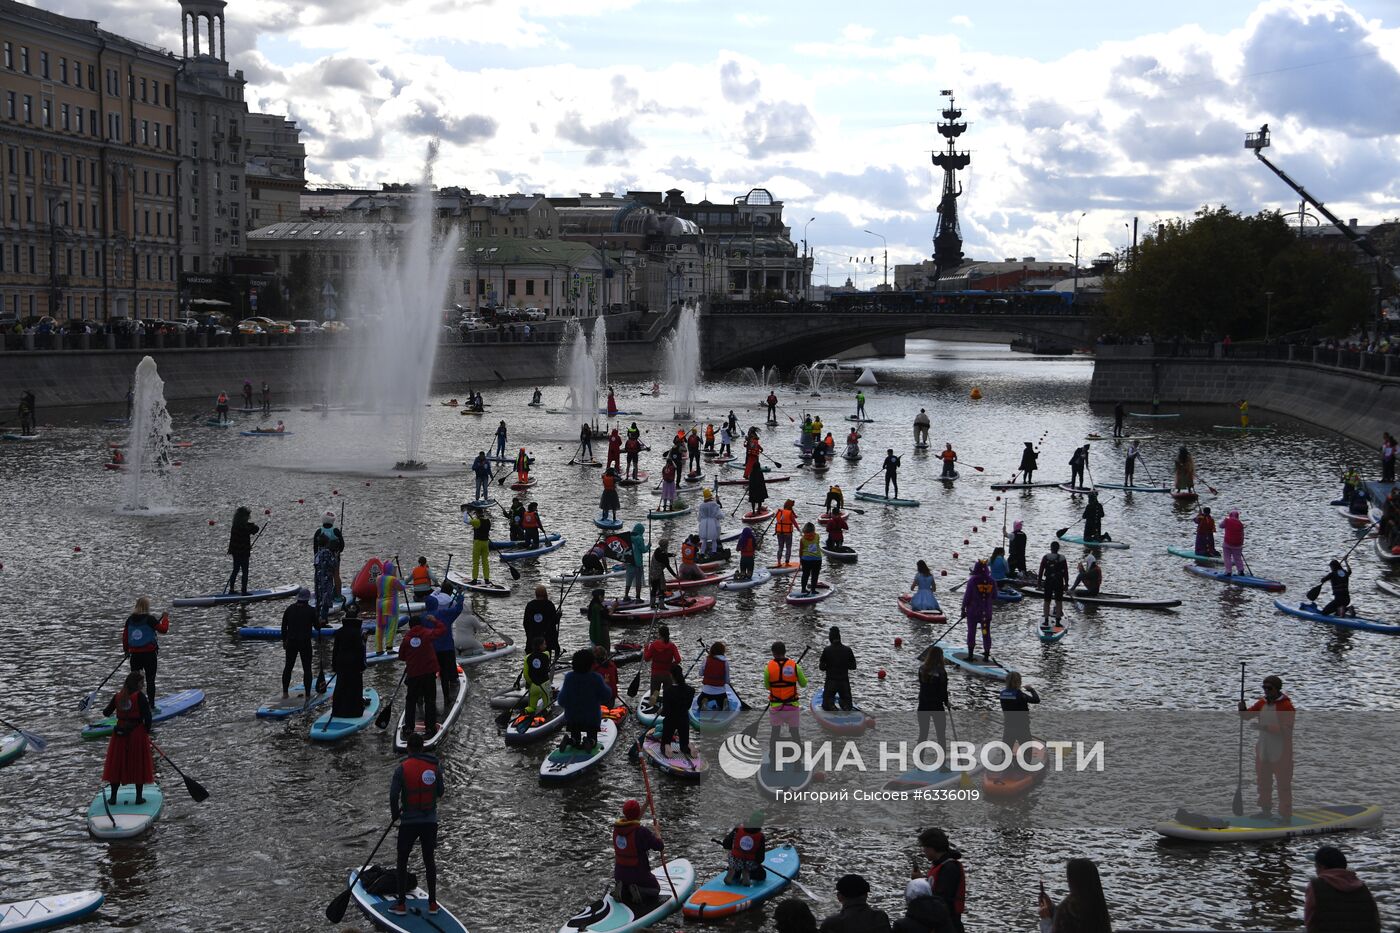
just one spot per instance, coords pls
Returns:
(299, 623)
(348, 662)
(675, 706)
(240, 546)
(837, 661)
(923, 913)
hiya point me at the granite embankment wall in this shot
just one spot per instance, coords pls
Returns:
(78, 377)
(1359, 401)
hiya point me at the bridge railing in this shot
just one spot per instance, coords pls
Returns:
(1029, 303)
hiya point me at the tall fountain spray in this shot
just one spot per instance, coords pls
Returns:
(683, 361)
(400, 297)
(598, 348)
(578, 369)
(147, 479)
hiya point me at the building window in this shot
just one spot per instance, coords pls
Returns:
(63, 70)
(29, 163)
(10, 104)
(46, 109)
(529, 286)
(546, 287)
(9, 56)
(24, 59)
(167, 95)
(169, 136)
(28, 109)
(92, 77)
(44, 64)
(64, 165)
(92, 122)
(233, 183)
(510, 287)
(77, 120)
(143, 90)
(64, 116)
(77, 74)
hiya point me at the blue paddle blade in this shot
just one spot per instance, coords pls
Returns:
(35, 742)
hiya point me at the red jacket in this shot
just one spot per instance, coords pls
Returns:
(416, 649)
(1234, 532)
(663, 655)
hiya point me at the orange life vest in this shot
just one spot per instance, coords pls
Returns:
(530, 520)
(785, 521)
(420, 576)
(688, 553)
(712, 674)
(782, 681)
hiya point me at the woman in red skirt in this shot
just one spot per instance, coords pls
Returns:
(129, 749)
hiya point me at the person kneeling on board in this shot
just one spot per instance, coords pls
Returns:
(1090, 576)
(632, 842)
(583, 695)
(747, 850)
(1339, 576)
(414, 790)
(714, 679)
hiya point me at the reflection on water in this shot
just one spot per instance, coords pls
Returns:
(287, 818)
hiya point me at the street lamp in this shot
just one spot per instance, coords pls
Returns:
(807, 291)
(1076, 250)
(887, 256)
(1268, 314)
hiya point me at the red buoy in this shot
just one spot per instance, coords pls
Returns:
(77, 550)
(881, 674)
(211, 523)
(898, 642)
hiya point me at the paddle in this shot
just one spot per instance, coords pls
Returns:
(966, 780)
(335, 910)
(808, 892)
(1213, 490)
(38, 743)
(86, 702)
(382, 720)
(776, 463)
(651, 806)
(961, 616)
(870, 477)
(196, 789)
(1061, 532)
(1237, 805)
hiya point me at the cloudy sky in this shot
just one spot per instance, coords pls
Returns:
(1100, 107)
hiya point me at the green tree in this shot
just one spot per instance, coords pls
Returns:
(1212, 275)
(304, 286)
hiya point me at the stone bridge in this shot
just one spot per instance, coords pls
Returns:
(764, 335)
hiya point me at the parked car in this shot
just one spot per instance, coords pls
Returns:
(333, 327)
(305, 327)
(471, 322)
(250, 327)
(534, 314)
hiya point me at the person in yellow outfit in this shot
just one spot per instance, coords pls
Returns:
(480, 524)
(1244, 412)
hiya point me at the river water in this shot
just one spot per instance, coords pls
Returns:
(288, 818)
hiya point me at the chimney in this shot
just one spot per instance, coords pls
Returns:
(1352, 223)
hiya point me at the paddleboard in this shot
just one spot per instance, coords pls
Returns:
(714, 899)
(1077, 490)
(527, 728)
(905, 602)
(166, 707)
(267, 433)
(417, 920)
(52, 911)
(784, 569)
(647, 712)
(485, 587)
(1143, 414)
(1306, 821)
(219, 599)
(618, 570)
(886, 500)
(1258, 583)
(269, 633)
(1185, 496)
(796, 597)
(674, 606)
(1311, 611)
(528, 484)
(641, 477)
(507, 543)
(922, 779)
(126, 818)
(949, 477)
(587, 463)
(708, 580)
(20, 437)
(755, 518)
(1126, 488)
(1006, 593)
(511, 699)
(1120, 600)
(847, 555)
(12, 746)
(328, 728)
(1389, 557)
(1358, 520)
(1051, 630)
(1192, 555)
(1004, 486)
(1239, 430)
(610, 915)
(707, 719)
(1014, 782)
(493, 650)
(958, 656)
(444, 723)
(841, 722)
(676, 764)
(530, 553)
(1385, 586)
(1076, 539)
(295, 703)
(761, 575)
(605, 523)
(659, 515)
(860, 419)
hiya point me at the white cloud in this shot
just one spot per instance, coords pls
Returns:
(961, 21)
